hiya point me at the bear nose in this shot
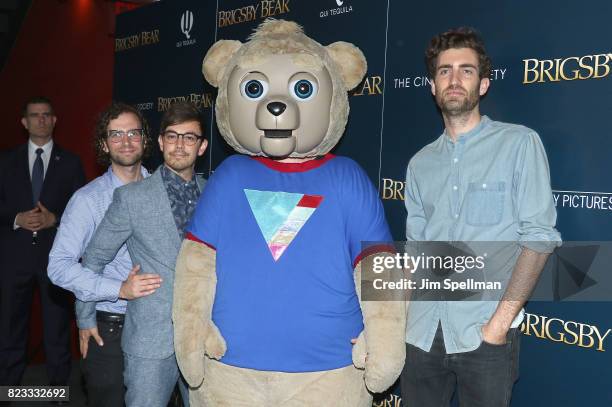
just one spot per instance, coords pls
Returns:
(276, 108)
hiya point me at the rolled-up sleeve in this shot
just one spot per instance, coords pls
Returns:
(537, 215)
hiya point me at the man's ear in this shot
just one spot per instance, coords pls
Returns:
(202, 148)
(433, 87)
(484, 86)
(160, 141)
(350, 62)
(24, 123)
(216, 59)
(105, 146)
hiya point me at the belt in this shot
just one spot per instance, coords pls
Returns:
(109, 317)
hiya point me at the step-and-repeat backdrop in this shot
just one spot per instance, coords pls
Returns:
(552, 71)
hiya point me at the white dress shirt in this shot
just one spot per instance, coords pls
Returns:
(46, 156)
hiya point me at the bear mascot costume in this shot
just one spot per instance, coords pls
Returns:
(267, 300)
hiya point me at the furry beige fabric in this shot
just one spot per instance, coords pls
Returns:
(344, 61)
(379, 353)
(195, 335)
(233, 386)
(383, 337)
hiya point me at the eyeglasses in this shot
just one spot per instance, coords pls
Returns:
(115, 136)
(189, 139)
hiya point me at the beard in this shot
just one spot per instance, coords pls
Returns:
(126, 161)
(178, 161)
(457, 105)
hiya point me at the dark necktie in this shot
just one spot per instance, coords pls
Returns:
(38, 174)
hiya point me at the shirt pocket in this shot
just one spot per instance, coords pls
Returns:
(485, 203)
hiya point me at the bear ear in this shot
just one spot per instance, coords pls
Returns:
(350, 61)
(216, 60)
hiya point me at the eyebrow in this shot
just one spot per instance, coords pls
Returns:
(460, 66)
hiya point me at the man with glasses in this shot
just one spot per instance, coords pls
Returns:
(150, 217)
(36, 182)
(121, 141)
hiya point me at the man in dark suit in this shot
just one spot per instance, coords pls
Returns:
(36, 181)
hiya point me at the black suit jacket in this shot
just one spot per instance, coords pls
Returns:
(63, 177)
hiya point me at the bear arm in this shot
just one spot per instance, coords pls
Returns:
(384, 334)
(194, 293)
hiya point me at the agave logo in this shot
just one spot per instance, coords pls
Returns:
(339, 8)
(186, 23)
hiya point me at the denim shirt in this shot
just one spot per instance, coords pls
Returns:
(491, 184)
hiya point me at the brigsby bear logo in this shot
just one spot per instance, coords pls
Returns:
(186, 23)
(290, 211)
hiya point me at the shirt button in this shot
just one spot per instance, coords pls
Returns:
(189, 201)
(484, 186)
(455, 160)
(454, 187)
(456, 215)
(110, 330)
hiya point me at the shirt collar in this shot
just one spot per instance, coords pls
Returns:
(170, 176)
(294, 167)
(116, 182)
(46, 148)
(463, 137)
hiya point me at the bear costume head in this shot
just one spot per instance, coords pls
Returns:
(288, 92)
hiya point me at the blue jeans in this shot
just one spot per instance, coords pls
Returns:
(150, 382)
(483, 377)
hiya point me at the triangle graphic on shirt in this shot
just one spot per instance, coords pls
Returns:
(281, 215)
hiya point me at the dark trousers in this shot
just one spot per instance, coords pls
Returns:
(483, 377)
(16, 293)
(103, 367)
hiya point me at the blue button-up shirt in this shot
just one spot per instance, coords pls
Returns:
(491, 184)
(80, 219)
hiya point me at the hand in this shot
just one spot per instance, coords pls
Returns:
(48, 218)
(84, 335)
(493, 335)
(30, 220)
(214, 343)
(359, 351)
(139, 285)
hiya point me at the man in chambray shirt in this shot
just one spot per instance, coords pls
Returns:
(481, 180)
(121, 140)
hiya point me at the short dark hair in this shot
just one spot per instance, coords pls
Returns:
(181, 112)
(111, 113)
(462, 37)
(34, 101)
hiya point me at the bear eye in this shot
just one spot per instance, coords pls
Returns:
(303, 89)
(254, 89)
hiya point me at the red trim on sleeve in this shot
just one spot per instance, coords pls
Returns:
(310, 201)
(194, 238)
(294, 167)
(368, 251)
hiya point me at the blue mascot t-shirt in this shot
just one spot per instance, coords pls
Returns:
(287, 237)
